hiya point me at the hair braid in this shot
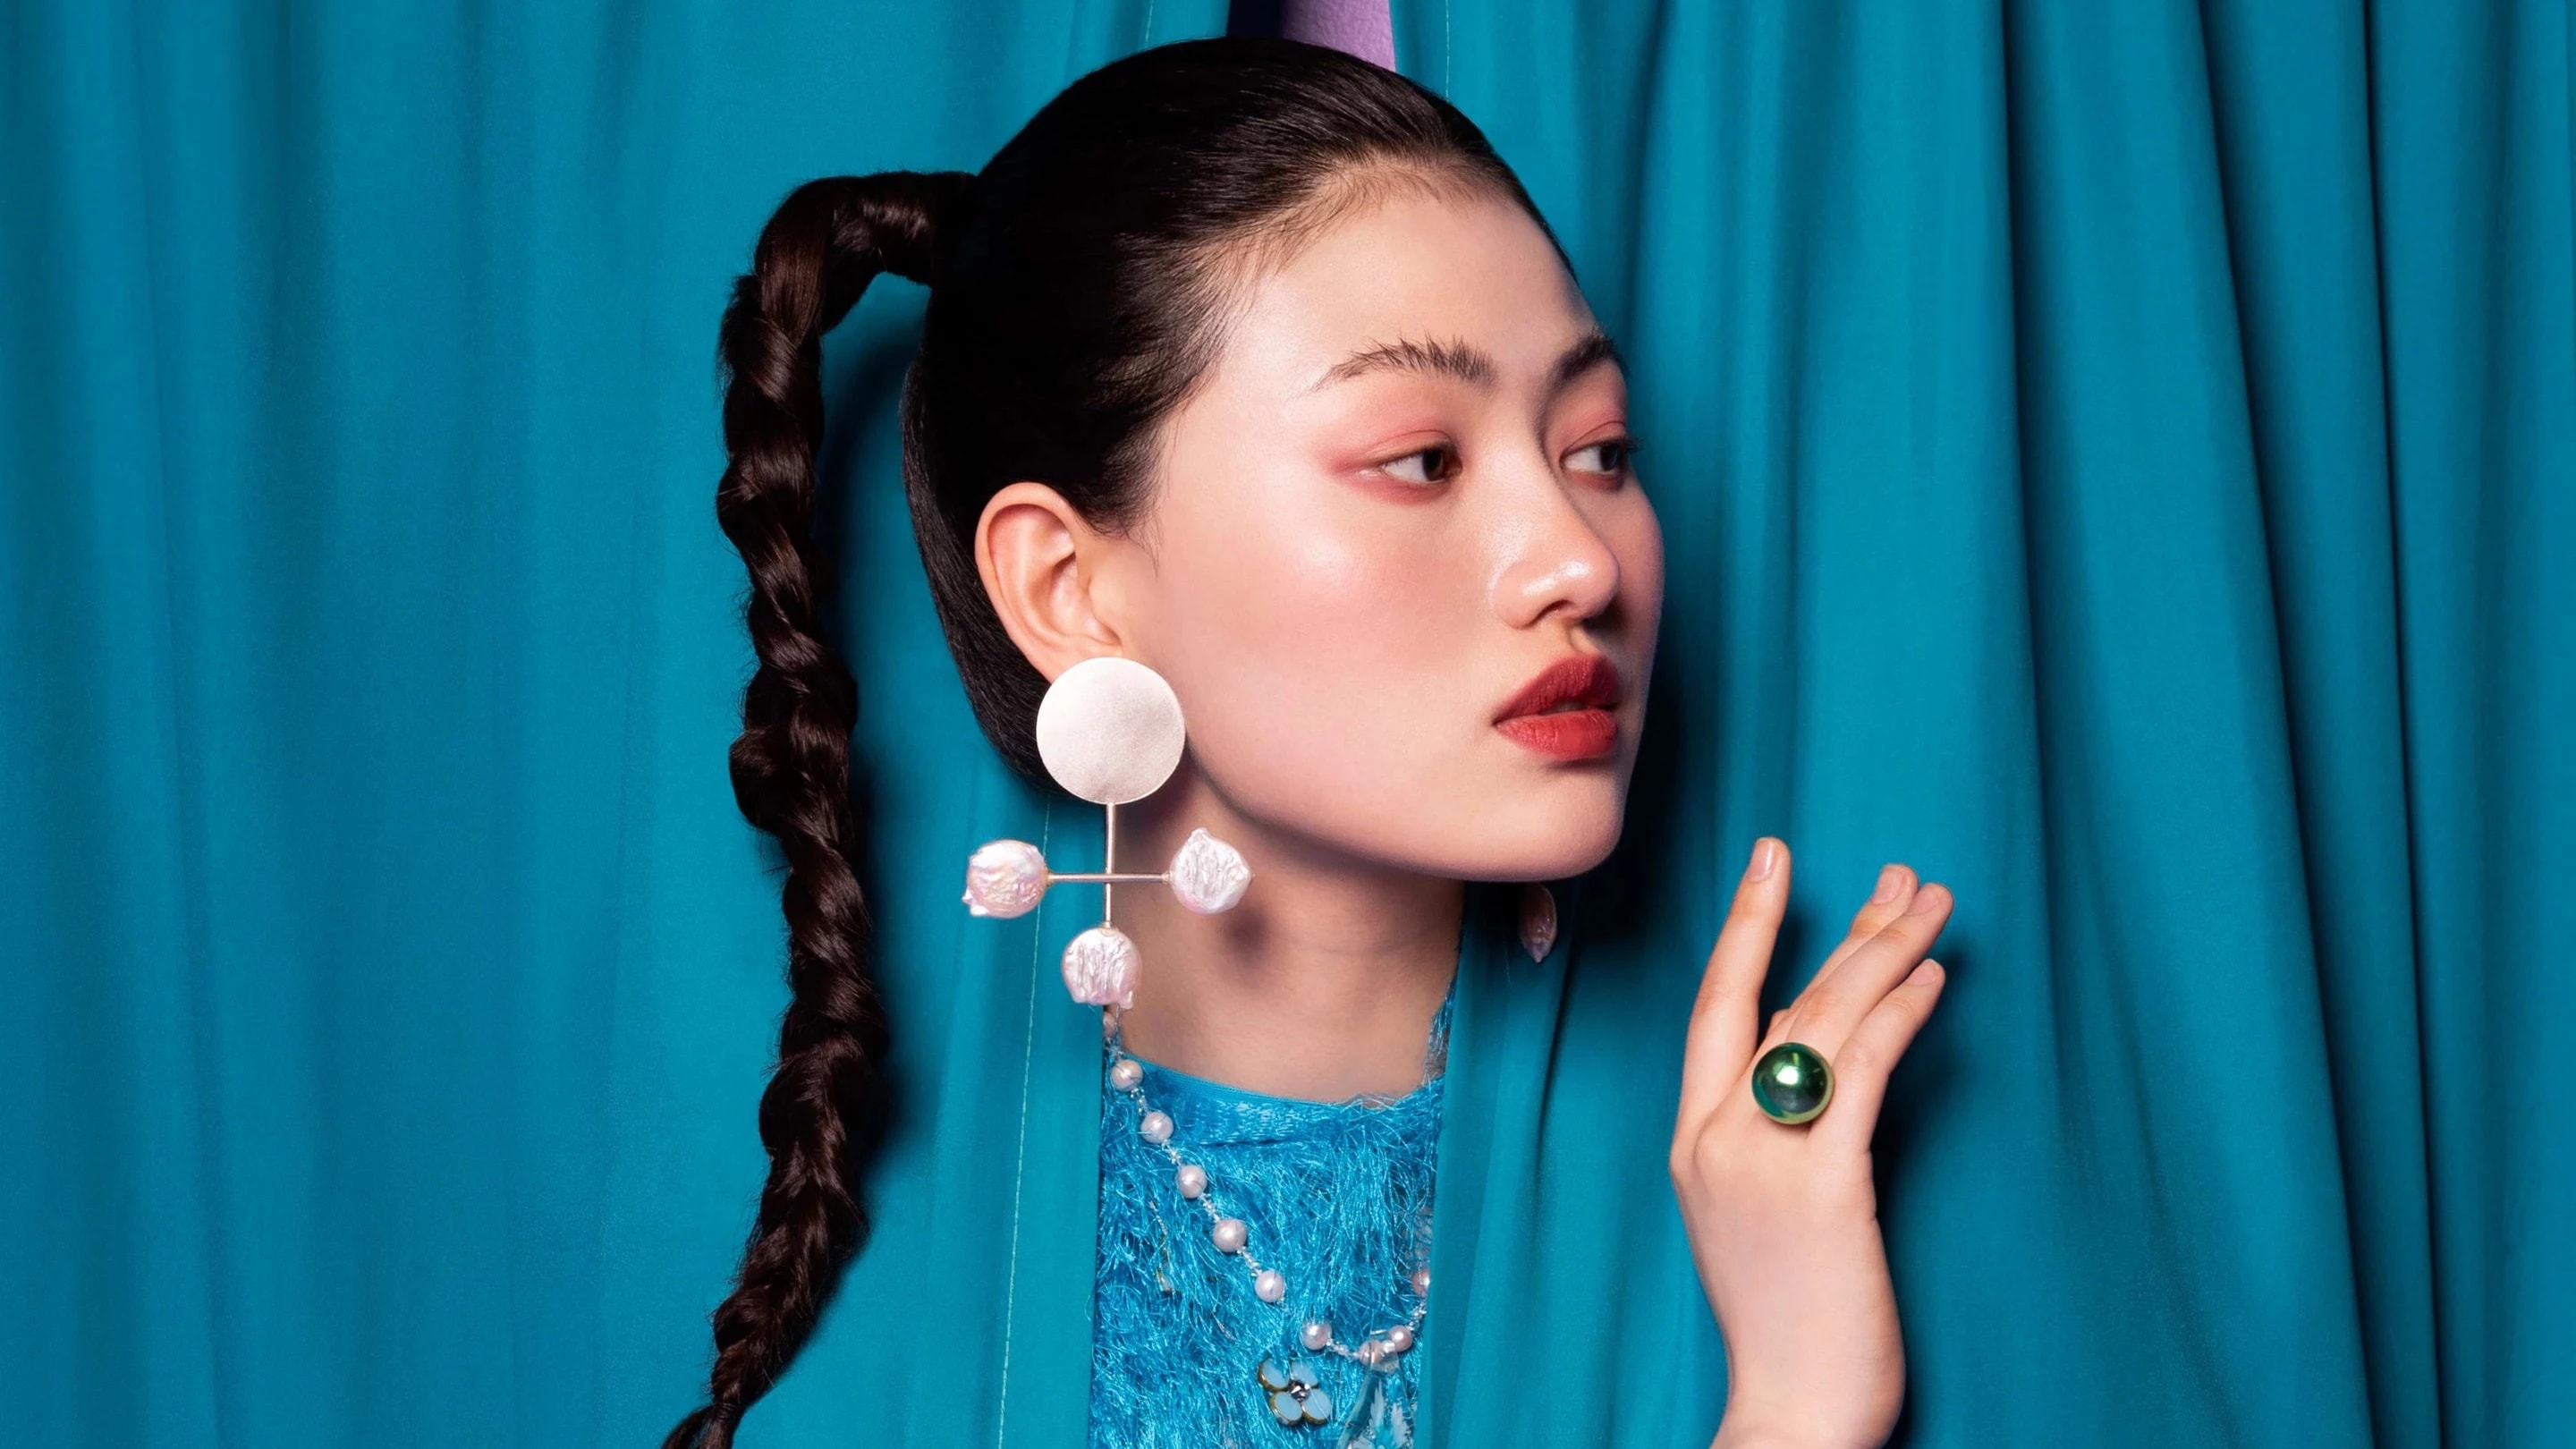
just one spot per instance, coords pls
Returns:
(791, 763)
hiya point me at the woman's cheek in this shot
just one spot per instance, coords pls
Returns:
(1647, 591)
(1327, 673)
(1355, 590)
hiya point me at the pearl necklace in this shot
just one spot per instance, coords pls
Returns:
(1295, 1393)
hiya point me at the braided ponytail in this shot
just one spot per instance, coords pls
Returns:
(791, 763)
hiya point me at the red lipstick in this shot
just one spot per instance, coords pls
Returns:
(1565, 710)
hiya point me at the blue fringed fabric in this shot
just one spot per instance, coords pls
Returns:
(1337, 1196)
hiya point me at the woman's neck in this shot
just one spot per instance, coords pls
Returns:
(1321, 984)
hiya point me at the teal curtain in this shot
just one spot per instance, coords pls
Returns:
(2120, 459)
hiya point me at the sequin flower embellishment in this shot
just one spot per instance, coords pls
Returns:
(1296, 1395)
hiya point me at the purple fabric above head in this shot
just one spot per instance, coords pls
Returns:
(1365, 28)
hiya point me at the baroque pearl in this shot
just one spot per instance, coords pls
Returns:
(1155, 1127)
(1005, 878)
(1315, 1335)
(1126, 1076)
(1100, 967)
(1538, 920)
(1421, 1282)
(1269, 1285)
(1791, 1083)
(1229, 1235)
(1191, 1180)
(1399, 1339)
(1208, 875)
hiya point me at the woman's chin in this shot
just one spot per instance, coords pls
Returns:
(1546, 844)
(1477, 823)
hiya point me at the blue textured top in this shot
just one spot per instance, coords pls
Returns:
(1335, 1195)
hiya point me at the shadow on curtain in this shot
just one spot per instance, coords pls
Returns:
(2115, 459)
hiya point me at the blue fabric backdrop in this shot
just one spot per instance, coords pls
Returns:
(2116, 458)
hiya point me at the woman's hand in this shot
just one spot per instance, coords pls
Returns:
(1783, 1221)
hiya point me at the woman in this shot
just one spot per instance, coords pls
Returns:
(1252, 363)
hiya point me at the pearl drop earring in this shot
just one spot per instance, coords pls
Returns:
(1538, 920)
(1109, 730)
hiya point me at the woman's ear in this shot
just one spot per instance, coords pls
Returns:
(1038, 559)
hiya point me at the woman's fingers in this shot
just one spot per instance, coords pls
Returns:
(1834, 1003)
(1893, 897)
(1717, 1050)
(1870, 1053)
(1894, 892)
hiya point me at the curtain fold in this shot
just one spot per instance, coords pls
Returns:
(2120, 460)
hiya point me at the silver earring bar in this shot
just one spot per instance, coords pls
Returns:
(1093, 877)
(1009, 877)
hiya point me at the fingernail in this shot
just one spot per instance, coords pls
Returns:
(1923, 903)
(1766, 858)
(1889, 878)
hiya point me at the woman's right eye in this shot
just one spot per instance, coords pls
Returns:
(1428, 465)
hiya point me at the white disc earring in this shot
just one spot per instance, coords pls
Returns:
(1109, 730)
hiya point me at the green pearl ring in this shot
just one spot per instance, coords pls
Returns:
(1792, 1083)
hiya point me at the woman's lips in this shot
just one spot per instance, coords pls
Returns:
(1530, 716)
(1575, 734)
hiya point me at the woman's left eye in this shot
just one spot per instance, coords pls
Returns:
(1609, 456)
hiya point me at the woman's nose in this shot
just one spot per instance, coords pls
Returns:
(1549, 556)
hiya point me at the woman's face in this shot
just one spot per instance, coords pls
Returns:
(1400, 496)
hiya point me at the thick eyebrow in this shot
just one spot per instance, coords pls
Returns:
(1588, 352)
(1465, 363)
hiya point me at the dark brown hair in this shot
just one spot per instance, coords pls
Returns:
(1079, 286)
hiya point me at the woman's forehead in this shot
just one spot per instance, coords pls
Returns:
(1469, 287)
